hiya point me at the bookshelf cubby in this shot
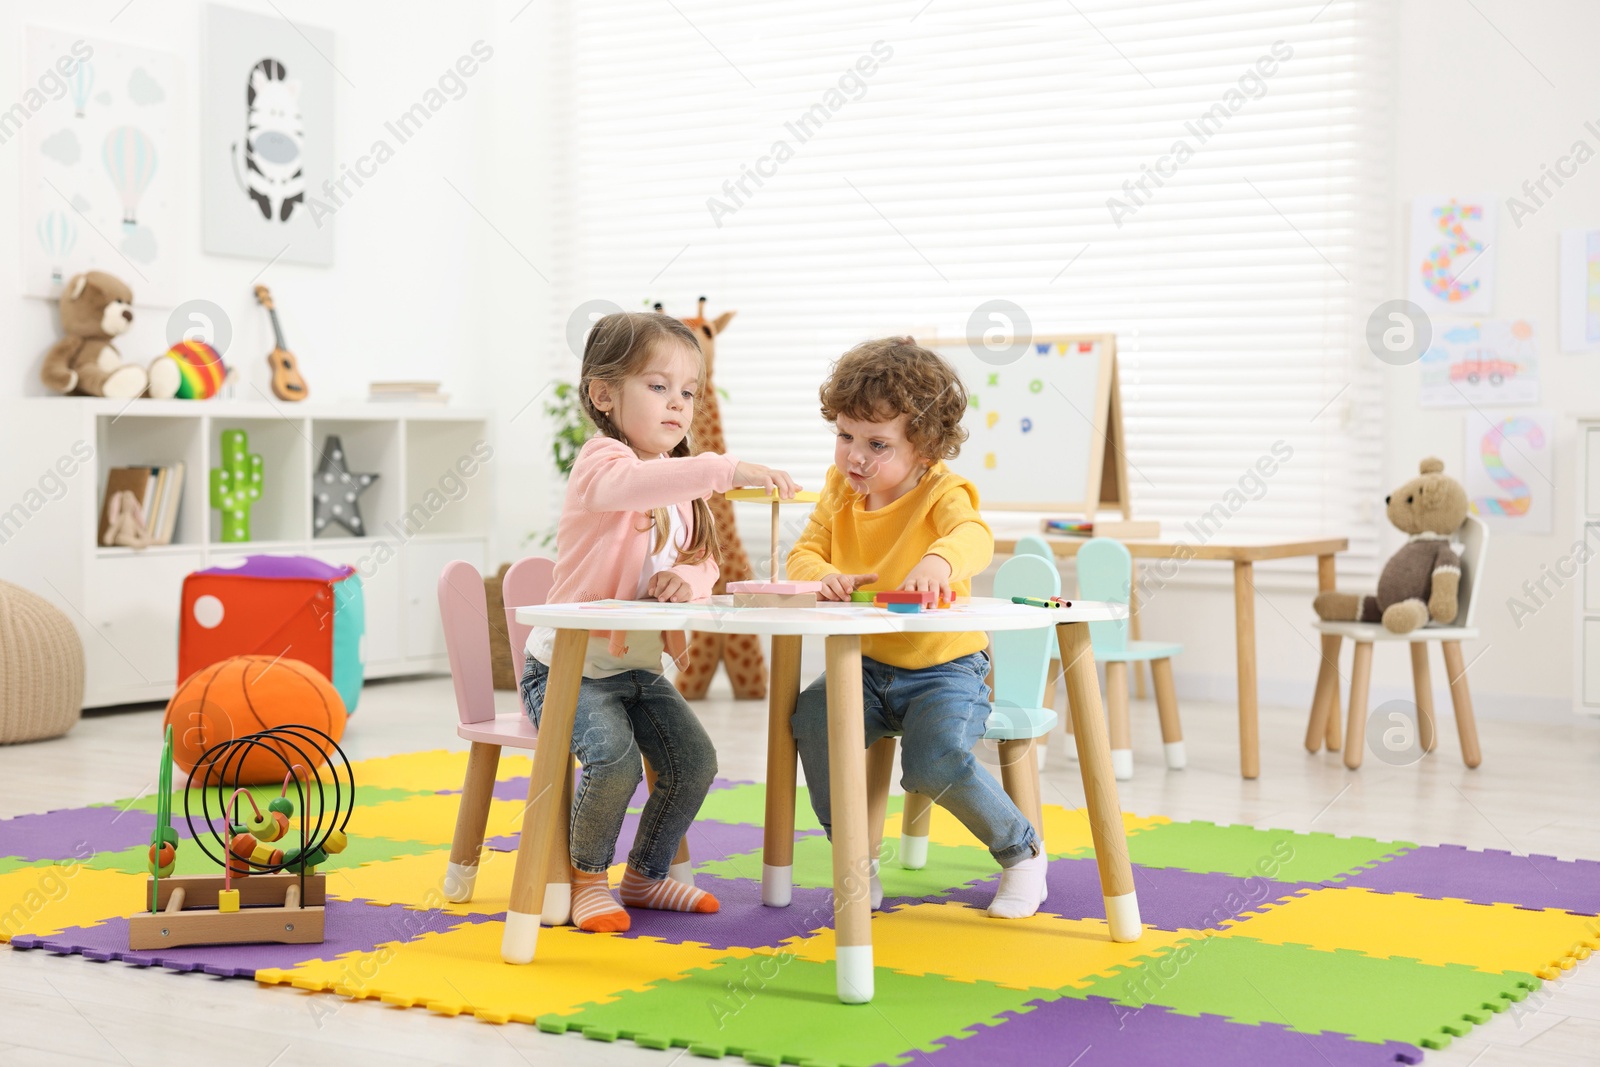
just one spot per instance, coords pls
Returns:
(421, 513)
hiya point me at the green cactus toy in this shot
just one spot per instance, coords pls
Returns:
(236, 485)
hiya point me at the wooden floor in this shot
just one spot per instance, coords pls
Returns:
(1535, 793)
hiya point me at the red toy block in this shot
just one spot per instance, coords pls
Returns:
(927, 599)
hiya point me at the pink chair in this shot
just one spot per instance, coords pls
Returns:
(465, 613)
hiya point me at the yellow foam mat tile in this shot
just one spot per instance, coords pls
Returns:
(438, 769)
(959, 942)
(1487, 937)
(460, 972)
(1066, 830)
(418, 882)
(430, 818)
(45, 900)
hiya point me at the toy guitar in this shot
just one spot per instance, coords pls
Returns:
(286, 381)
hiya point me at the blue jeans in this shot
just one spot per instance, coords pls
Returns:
(617, 719)
(939, 712)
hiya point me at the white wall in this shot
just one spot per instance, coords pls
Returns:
(425, 284)
(1472, 116)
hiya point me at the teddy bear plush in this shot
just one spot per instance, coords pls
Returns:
(1420, 582)
(96, 307)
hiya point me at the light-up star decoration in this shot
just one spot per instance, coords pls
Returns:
(334, 491)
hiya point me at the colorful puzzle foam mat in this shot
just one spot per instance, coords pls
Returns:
(1260, 945)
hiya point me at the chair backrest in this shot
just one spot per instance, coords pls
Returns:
(1105, 572)
(1022, 657)
(1474, 537)
(528, 582)
(464, 610)
(1034, 545)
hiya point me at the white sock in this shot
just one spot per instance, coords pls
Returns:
(1021, 889)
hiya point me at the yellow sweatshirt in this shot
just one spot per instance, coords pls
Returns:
(938, 516)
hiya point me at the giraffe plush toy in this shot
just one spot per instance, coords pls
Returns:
(739, 653)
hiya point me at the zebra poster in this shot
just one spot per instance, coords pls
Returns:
(267, 137)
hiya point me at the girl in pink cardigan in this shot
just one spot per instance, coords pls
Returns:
(635, 524)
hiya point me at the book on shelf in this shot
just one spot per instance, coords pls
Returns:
(1101, 528)
(159, 491)
(407, 392)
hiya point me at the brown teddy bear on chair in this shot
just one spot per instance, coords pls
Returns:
(1420, 581)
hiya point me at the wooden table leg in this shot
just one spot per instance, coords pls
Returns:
(777, 843)
(847, 765)
(1244, 624)
(1134, 631)
(552, 759)
(1099, 787)
(1326, 580)
(1422, 688)
(461, 875)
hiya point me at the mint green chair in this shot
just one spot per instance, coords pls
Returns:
(1105, 572)
(1034, 545)
(1021, 661)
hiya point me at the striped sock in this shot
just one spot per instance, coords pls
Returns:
(664, 894)
(593, 907)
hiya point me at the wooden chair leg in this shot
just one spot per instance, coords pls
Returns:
(682, 867)
(1327, 579)
(557, 907)
(1019, 774)
(880, 770)
(1333, 740)
(1461, 697)
(915, 819)
(1422, 687)
(1360, 679)
(1325, 698)
(1167, 708)
(777, 848)
(1117, 705)
(461, 875)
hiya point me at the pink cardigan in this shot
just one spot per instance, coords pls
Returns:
(610, 495)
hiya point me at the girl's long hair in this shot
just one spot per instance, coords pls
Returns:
(620, 347)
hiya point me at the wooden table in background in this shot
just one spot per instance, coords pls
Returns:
(1243, 554)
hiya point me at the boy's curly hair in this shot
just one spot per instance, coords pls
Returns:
(878, 380)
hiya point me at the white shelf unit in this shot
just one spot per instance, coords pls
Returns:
(1587, 686)
(432, 504)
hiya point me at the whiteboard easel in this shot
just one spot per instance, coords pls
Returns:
(1045, 428)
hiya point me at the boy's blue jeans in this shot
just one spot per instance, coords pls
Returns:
(617, 719)
(939, 712)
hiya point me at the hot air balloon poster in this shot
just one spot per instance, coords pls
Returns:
(99, 190)
(1452, 255)
(266, 144)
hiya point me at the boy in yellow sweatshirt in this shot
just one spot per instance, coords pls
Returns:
(894, 516)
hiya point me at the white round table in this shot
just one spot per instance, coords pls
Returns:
(843, 626)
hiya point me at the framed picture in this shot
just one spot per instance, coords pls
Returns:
(266, 139)
(100, 181)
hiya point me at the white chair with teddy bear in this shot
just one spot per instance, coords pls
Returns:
(1413, 605)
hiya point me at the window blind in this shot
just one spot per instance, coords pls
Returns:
(1207, 179)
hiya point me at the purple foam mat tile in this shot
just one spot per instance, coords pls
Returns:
(1169, 898)
(1492, 876)
(708, 840)
(74, 833)
(1097, 1032)
(350, 926)
(742, 921)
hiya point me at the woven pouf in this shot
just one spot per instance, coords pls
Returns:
(41, 668)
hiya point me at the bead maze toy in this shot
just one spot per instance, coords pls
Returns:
(280, 898)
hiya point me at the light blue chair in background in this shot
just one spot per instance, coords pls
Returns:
(1105, 572)
(1021, 660)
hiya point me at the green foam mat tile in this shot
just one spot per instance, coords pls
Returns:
(766, 1008)
(949, 867)
(1246, 852)
(1312, 991)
